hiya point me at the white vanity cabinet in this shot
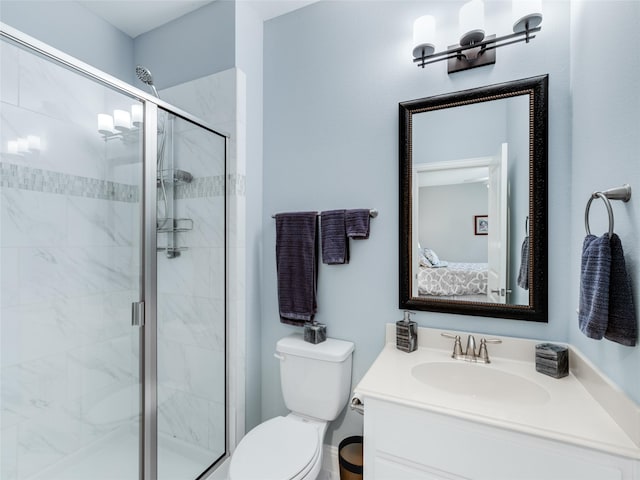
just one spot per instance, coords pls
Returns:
(406, 443)
(428, 416)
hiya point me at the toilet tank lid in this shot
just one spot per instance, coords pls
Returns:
(331, 350)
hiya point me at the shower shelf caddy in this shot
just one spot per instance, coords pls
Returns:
(178, 225)
(170, 225)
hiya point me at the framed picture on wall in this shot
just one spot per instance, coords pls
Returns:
(481, 224)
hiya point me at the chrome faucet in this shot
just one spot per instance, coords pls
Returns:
(470, 354)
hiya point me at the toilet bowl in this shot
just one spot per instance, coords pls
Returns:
(315, 381)
(282, 448)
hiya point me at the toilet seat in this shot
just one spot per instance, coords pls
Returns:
(282, 448)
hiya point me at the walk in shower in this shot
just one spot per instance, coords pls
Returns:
(113, 268)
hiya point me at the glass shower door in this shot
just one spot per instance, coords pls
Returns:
(190, 298)
(70, 250)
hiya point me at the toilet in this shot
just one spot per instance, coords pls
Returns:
(316, 382)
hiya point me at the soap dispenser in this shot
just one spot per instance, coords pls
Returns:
(407, 333)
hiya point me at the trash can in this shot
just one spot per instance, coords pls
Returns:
(350, 458)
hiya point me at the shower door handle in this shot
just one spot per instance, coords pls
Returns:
(137, 314)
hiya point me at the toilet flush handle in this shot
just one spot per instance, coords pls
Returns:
(278, 356)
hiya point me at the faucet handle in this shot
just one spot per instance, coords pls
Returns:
(457, 347)
(482, 353)
(491, 340)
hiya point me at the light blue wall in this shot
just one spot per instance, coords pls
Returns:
(606, 153)
(446, 215)
(73, 29)
(334, 74)
(195, 45)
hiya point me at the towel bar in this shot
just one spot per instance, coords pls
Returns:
(373, 213)
(618, 193)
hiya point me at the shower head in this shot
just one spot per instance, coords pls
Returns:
(182, 176)
(145, 77)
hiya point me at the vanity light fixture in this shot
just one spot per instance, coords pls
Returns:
(33, 143)
(12, 147)
(136, 115)
(24, 145)
(122, 124)
(475, 48)
(122, 120)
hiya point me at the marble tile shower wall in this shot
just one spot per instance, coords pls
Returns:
(191, 299)
(69, 266)
(193, 363)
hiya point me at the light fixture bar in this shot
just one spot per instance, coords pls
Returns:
(458, 51)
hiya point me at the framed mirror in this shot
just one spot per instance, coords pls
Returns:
(473, 201)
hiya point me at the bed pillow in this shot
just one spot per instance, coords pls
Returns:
(431, 257)
(424, 261)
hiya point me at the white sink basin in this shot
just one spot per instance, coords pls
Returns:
(480, 381)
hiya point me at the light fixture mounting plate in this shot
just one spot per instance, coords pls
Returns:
(472, 57)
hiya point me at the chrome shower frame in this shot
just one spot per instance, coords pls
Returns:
(148, 288)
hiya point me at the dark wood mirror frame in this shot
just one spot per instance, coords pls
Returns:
(536, 310)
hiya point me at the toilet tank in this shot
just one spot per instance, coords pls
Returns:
(315, 378)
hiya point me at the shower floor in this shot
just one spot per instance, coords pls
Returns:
(114, 459)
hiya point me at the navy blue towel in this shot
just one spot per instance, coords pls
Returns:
(523, 274)
(593, 313)
(335, 248)
(622, 326)
(357, 223)
(296, 263)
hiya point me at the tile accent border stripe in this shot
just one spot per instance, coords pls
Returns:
(213, 186)
(48, 181)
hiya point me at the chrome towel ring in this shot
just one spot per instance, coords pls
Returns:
(618, 193)
(607, 203)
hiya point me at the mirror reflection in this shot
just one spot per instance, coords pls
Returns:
(473, 188)
(469, 197)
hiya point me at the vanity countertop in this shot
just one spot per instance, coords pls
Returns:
(583, 408)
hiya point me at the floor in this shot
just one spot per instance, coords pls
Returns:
(116, 458)
(176, 461)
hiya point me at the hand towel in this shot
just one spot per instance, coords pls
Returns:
(296, 263)
(357, 223)
(622, 326)
(593, 314)
(523, 274)
(335, 247)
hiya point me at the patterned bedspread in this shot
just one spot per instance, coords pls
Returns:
(454, 279)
